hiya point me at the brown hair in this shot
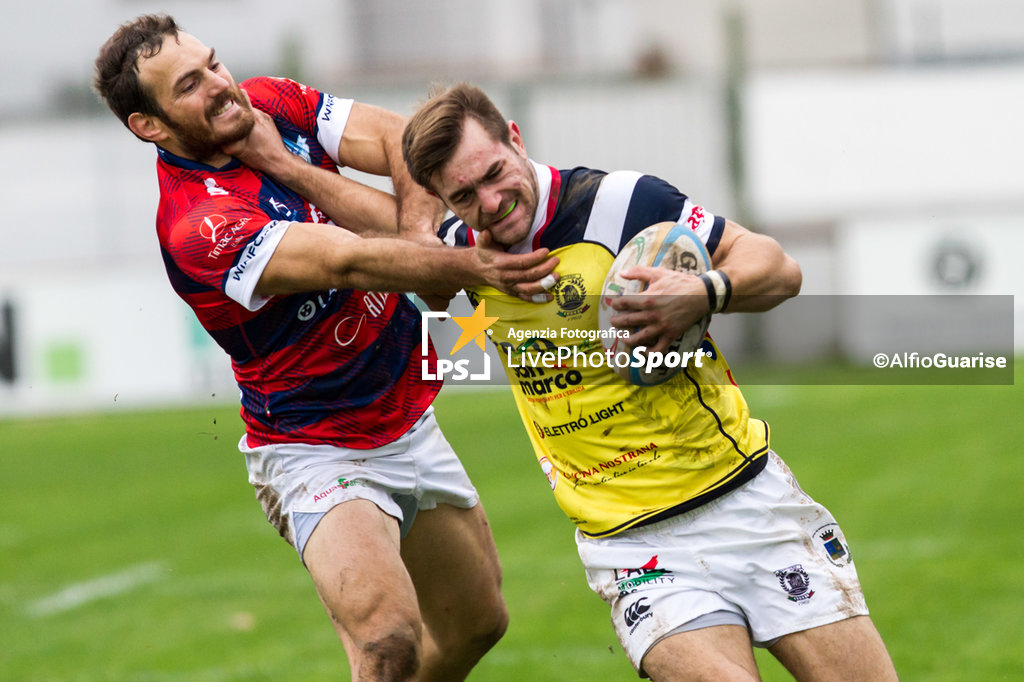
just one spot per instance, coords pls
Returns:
(433, 133)
(117, 66)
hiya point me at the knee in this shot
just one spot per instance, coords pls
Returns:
(394, 655)
(495, 628)
(487, 629)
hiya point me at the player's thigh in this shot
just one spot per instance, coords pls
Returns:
(354, 558)
(721, 653)
(849, 649)
(451, 556)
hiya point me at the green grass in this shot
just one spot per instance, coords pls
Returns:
(925, 480)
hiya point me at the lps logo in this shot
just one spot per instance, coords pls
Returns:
(473, 329)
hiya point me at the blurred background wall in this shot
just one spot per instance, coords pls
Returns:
(879, 140)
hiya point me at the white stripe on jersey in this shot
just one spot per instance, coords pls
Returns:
(330, 123)
(243, 277)
(449, 236)
(608, 216)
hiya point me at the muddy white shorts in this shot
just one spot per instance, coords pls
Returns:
(765, 556)
(297, 483)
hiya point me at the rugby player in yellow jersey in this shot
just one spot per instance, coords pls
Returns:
(692, 530)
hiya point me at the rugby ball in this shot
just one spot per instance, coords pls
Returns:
(665, 245)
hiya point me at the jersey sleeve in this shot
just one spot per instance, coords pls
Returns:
(226, 245)
(319, 114)
(628, 201)
(454, 232)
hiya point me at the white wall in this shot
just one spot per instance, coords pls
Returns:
(106, 337)
(870, 142)
(893, 182)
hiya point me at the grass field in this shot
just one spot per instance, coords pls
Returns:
(131, 547)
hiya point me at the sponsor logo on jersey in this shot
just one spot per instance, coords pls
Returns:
(250, 252)
(316, 215)
(327, 109)
(213, 228)
(536, 382)
(795, 581)
(696, 217)
(309, 308)
(349, 327)
(581, 423)
(213, 189)
(617, 465)
(299, 147)
(280, 207)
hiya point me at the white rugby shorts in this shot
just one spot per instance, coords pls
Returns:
(765, 556)
(297, 483)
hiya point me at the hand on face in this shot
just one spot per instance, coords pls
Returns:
(262, 148)
(528, 275)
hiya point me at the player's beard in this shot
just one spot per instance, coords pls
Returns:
(526, 202)
(205, 141)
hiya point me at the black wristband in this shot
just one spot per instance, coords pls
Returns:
(719, 289)
(728, 291)
(712, 295)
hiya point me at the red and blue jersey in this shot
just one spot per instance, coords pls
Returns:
(339, 366)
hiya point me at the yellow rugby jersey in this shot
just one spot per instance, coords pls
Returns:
(615, 455)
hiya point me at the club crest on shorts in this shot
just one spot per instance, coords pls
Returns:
(832, 542)
(795, 581)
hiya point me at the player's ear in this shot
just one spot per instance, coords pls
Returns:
(515, 138)
(147, 127)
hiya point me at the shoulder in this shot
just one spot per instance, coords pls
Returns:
(284, 98)
(632, 188)
(609, 208)
(264, 87)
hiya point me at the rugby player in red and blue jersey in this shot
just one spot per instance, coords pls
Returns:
(306, 300)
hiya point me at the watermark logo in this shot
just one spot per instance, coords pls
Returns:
(915, 360)
(473, 329)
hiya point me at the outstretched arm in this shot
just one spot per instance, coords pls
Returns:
(761, 273)
(316, 257)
